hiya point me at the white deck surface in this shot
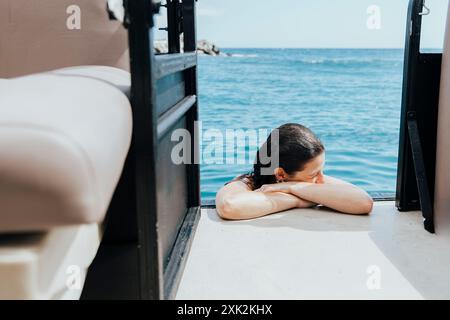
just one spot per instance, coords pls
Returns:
(317, 254)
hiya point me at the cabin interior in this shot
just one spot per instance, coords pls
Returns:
(92, 207)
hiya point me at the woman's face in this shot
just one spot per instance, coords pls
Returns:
(312, 172)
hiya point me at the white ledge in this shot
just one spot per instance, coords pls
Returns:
(317, 254)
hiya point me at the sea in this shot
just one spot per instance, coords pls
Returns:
(350, 98)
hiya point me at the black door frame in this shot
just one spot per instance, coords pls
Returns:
(156, 207)
(418, 123)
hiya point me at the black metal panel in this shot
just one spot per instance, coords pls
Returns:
(170, 90)
(191, 76)
(427, 102)
(172, 192)
(114, 274)
(189, 28)
(174, 25)
(170, 63)
(154, 210)
(179, 253)
(421, 175)
(406, 187)
(420, 95)
(172, 116)
(144, 146)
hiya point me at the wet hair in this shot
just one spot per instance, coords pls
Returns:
(297, 145)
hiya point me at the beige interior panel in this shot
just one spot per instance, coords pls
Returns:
(41, 35)
(442, 186)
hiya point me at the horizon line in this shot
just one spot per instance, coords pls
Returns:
(363, 48)
(356, 48)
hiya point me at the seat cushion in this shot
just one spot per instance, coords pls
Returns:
(38, 265)
(37, 36)
(64, 137)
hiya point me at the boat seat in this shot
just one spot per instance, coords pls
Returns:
(64, 138)
(47, 265)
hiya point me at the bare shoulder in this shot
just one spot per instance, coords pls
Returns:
(234, 187)
(243, 182)
(230, 190)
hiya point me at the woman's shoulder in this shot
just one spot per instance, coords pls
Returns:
(246, 178)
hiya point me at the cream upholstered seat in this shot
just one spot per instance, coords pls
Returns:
(64, 137)
(64, 134)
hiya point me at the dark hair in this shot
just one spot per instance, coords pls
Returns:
(297, 145)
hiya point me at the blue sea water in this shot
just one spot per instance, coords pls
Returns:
(349, 97)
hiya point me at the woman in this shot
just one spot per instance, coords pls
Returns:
(297, 182)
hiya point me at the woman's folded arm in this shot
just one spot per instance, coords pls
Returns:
(343, 197)
(332, 193)
(236, 201)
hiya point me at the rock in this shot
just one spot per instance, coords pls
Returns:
(203, 47)
(161, 46)
(208, 48)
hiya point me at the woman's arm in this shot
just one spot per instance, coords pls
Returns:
(332, 193)
(236, 201)
(341, 197)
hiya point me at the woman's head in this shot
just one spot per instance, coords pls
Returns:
(301, 156)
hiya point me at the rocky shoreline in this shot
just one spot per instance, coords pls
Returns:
(203, 47)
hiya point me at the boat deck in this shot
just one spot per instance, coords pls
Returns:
(317, 254)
